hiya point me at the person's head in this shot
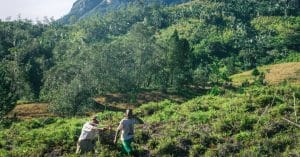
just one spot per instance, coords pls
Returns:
(128, 113)
(95, 120)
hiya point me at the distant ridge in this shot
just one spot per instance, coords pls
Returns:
(85, 8)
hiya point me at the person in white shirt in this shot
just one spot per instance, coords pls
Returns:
(87, 139)
(126, 127)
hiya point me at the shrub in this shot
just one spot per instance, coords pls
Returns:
(226, 149)
(247, 122)
(49, 120)
(243, 136)
(250, 107)
(283, 109)
(265, 100)
(275, 145)
(200, 117)
(34, 124)
(273, 127)
(153, 107)
(245, 83)
(197, 150)
(153, 143)
(255, 72)
(216, 91)
(142, 137)
(169, 147)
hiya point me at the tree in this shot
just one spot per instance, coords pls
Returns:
(8, 96)
(179, 59)
(74, 98)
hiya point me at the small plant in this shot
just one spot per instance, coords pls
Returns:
(216, 91)
(197, 150)
(255, 72)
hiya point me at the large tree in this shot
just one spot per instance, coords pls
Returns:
(7, 91)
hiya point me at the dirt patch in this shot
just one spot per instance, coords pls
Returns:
(280, 72)
(32, 110)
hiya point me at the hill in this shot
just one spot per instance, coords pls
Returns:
(247, 123)
(274, 74)
(83, 8)
(123, 47)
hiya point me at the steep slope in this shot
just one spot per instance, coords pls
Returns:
(252, 123)
(84, 8)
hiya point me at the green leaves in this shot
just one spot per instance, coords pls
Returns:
(8, 96)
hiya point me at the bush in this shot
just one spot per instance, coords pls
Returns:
(153, 107)
(197, 150)
(272, 128)
(283, 109)
(216, 91)
(142, 137)
(243, 136)
(226, 149)
(247, 122)
(49, 120)
(169, 147)
(255, 72)
(275, 145)
(34, 124)
(265, 100)
(245, 83)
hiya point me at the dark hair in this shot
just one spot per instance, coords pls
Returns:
(128, 113)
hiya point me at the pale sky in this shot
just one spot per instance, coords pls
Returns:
(33, 9)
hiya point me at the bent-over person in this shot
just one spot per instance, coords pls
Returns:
(87, 139)
(126, 127)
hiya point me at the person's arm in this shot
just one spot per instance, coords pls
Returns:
(100, 129)
(118, 131)
(116, 136)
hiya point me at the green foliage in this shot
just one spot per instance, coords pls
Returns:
(179, 61)
(255, 72)
(265, 100)
(198, 44)
(72, 99)
(206, 125)
(8, 94)
(216, 91)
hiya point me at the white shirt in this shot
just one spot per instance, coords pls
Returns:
(87, 132)
(127, 127)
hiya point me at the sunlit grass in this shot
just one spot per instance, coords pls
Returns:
(274, 74)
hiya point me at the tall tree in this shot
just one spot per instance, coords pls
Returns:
(8, 96)
(179, 59)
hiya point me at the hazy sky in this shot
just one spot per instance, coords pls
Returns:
(33, 9)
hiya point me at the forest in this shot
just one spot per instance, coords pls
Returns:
(193, 51)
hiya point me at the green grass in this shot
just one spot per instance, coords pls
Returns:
(235, 124)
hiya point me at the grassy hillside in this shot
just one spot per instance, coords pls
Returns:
(190, 49)
(244, 123)
(274, 74)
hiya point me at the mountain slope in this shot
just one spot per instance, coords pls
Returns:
(233, 124)
(85, 8)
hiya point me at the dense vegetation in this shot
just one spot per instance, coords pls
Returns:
(182, 49)
(195, 44)
(248, 122)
